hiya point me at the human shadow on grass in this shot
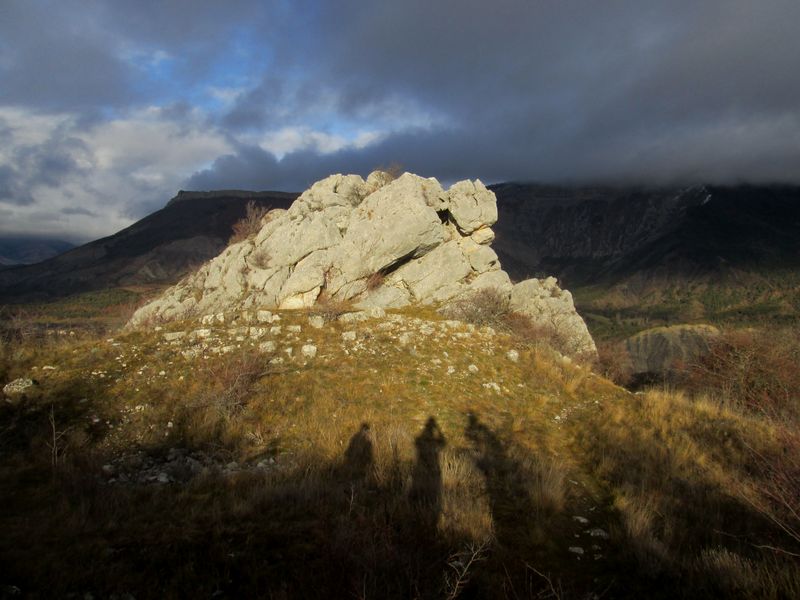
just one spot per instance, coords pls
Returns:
(531, 513)
(344, 528)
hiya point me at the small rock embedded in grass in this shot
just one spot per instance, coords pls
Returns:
(267, 346)
(17, 387)
(598, 533)
(276, 330)
(576, 550)
(349, 336)
(581, 520)
(173, 336)
(317, 322)
(472, 368)
(512, 355)
(264, 316)
(294, 328)
(353, 317)
(308, 351)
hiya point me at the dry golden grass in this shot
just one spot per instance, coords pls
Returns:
(391, 478)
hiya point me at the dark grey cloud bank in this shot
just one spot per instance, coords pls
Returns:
(623, 91)
(670, 91)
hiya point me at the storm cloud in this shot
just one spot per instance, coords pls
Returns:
(108, 110)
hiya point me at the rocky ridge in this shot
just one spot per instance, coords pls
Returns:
(377, 243)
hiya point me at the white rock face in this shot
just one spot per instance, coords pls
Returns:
(378, 243)
(552, 308)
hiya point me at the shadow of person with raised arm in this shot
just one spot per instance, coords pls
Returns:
(426, 477)
(509, 501)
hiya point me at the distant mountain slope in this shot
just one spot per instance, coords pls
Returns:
(21, 250)
(192, 228)
(591, 235)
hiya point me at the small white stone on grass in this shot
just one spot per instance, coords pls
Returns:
(512, 355)
(576, 550)
(275, 330)
(173, 336)
(267, 346)
(18, 386)
(581, 520)
(597, 532)
(472, 369)
(293, 328)
(349, 336)
(309, 351)
(317, 322)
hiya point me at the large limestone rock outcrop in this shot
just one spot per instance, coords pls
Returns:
(374, 242)
(659, 351)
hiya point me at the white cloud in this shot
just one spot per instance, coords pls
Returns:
(286, 140)
(117, 170)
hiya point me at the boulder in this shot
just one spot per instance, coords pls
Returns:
(378, 243)
(658, 352)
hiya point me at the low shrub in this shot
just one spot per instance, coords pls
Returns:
(487, 306)
(250, 224)
(750, 369)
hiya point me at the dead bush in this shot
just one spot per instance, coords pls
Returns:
(487, 306)
(531, 332)
(614, 363)
(754, 370)
(375, 281)
(330, 309)
(233, 378)
(250, 224)
(779, 484)
(260, 258)
(393, 170)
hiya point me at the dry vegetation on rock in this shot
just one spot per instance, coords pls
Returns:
(250, 224)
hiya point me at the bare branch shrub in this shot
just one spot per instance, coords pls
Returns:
(779, 484)
(234, 376)
(754, 370)
(487, 306)
(250, 224)
(462, 564)
(614, 363)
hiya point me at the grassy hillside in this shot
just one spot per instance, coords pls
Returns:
(737, 300)
(409, 457)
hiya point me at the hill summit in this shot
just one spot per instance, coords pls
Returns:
(376, 243)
